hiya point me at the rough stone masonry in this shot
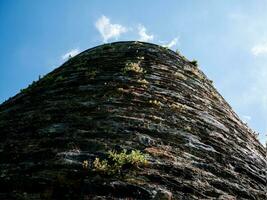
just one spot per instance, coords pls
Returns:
(124, 97)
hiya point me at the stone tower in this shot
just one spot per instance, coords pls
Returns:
(127, 97)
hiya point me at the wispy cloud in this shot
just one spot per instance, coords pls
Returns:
(256, 94)
(143, 35)
(109, 30)
(254, 99)
(71, 53)
(246, 118)
(172, 43)
(259, 49)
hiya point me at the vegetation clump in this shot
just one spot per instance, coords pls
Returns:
(117, 161)
(133, 67)
(155, 102)
(142, 81)
(194, 62)
(29, 87)
(178, 107)
(91, 74)
(102, 166)
(47, 79)
(197, 73)
(60, 78)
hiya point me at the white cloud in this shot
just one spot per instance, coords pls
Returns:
(70, 54)
(143, 36)
(259, 49)
(246, 118)
(257, 92)
(108, 30)
(172, 43)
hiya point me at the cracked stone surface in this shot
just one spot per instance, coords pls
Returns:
(164, 106)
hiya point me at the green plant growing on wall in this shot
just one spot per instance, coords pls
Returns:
(194, 62)
(133, 67)
(117, 161)
(29, 87)
(91, 74)
(101, 165)
(48, 77)
(59, 78)
(155, 103)
(143, 82)
(178, 107)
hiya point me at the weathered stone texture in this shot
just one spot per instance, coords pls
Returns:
(127, 95)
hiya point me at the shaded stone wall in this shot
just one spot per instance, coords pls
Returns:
(127, 96)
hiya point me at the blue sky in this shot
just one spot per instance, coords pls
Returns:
(228, 38)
